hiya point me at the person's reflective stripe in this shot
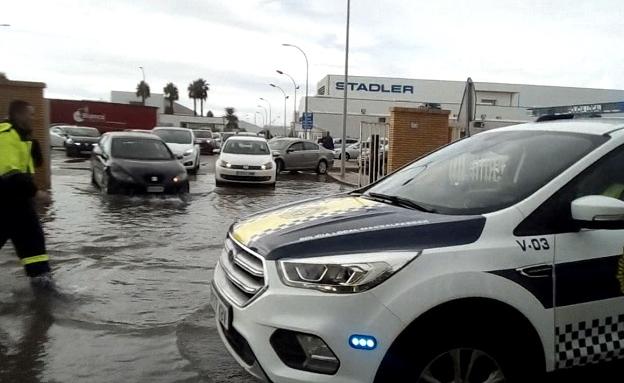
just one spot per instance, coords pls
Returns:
(35, 259)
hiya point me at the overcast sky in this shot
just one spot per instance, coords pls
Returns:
(84, 49)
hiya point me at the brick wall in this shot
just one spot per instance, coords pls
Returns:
(33, 93)
(415, 132)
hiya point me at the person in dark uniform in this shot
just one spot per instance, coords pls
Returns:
(19, 220)
(328, 141)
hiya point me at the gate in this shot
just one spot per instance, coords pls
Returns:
(373, 157)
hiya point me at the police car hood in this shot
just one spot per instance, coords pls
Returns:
(350, 224)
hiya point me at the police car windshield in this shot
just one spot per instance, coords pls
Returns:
(82, 132)
(140, 149)
(246, 147)
(487, 172)
(174, 136)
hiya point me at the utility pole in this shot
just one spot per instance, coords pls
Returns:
(344, 106)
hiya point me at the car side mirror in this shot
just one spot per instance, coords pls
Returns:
(97, 150)
(275, 153)
(598, 212)
(290, 151)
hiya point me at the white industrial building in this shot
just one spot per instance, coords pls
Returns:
(498, 104)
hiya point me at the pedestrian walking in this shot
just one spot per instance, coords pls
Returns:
(328, 141)
(19, 221)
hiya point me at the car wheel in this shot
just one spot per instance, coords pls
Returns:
(279, 166)
(219, 183)
(109, 186)
(321, 168)
(93, 181)
(347, 156)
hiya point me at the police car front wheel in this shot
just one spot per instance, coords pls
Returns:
(463, 365)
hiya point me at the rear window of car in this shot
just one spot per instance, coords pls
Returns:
(203, 134)
(140, 149)
(174, 136)
(82, 132)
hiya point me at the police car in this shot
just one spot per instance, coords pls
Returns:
(496, 258)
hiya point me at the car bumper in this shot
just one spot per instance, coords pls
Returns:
(331, 317)
(142, 188)
(245, 176)
(206, 148)
(189, 162)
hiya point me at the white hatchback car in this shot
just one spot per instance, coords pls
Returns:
(181, 141)
(245, 159)
(493, 259)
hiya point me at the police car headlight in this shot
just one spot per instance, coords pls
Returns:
(343, 274)
(69, 141)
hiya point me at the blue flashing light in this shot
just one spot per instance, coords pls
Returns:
(363, 342)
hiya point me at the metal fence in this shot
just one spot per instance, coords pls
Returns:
(373, 156)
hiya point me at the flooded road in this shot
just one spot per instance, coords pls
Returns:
(135, 272)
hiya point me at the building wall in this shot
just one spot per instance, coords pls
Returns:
(511, 100)
(105, 116)
(33, 93)
(415, 132)
(156, 100)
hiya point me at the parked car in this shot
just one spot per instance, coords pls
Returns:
(351, 152)
(497, 258)
(138, 130)
(298, 154)
(205, 140)
(58, 136)
(245, 159)
(181, 141)
(350, 141)
(79, 140)
(130, 162)
(217, 139)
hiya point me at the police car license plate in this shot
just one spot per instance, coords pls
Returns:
(221, 309)
(245, 173)
(155, 189)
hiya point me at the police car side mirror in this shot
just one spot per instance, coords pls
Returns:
(598, 212)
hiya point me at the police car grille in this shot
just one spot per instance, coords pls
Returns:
(243, 273)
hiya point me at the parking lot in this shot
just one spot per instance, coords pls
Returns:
(135, 272)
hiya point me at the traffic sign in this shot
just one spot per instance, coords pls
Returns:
(307, 120)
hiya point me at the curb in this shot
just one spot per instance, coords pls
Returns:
(341, 181)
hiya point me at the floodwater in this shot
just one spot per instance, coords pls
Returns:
(134, 272)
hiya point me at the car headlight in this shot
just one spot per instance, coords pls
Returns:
(69, 141)
(188, 152)
(180, 177)
(225, 164)
(343, 274)
(267, 166)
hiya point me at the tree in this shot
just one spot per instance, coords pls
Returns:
(198, 89)
(143, 91)
(171, 95)
(209, 114)
(232, 120)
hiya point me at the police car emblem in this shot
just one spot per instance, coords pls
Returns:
(620, 272)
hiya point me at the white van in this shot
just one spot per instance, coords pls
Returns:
(494, 259)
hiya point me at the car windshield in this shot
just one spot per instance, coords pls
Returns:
(487, 172)
(82, 132)
(140, 149)
(246, 147)
(279, 144)
(203, 134)
(174, 136)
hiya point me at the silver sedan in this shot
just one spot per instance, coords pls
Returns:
(298, 154)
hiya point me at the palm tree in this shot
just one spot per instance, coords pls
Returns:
(143, 91)
(232, 120)
(171, 95)
(192, 92)
(209, 114)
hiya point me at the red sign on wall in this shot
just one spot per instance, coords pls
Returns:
(105, 116)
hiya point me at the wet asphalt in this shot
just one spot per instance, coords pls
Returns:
(134, 272)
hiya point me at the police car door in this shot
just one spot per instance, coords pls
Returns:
(589, 272)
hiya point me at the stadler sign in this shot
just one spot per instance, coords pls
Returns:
(375, 87)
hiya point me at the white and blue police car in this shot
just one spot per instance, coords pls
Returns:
(494, 259)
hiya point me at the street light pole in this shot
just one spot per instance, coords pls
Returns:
(307, 73)
(270, 110)
(295, 99)
(266, 114)
(344, 106)
(143, 72)
(285, 98)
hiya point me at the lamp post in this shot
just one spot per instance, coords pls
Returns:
(295, 99)
(270, 109)
(344, 106)
(285, 98)
(261, 116)
(142, 72)
(266, 114)
(307, 72)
